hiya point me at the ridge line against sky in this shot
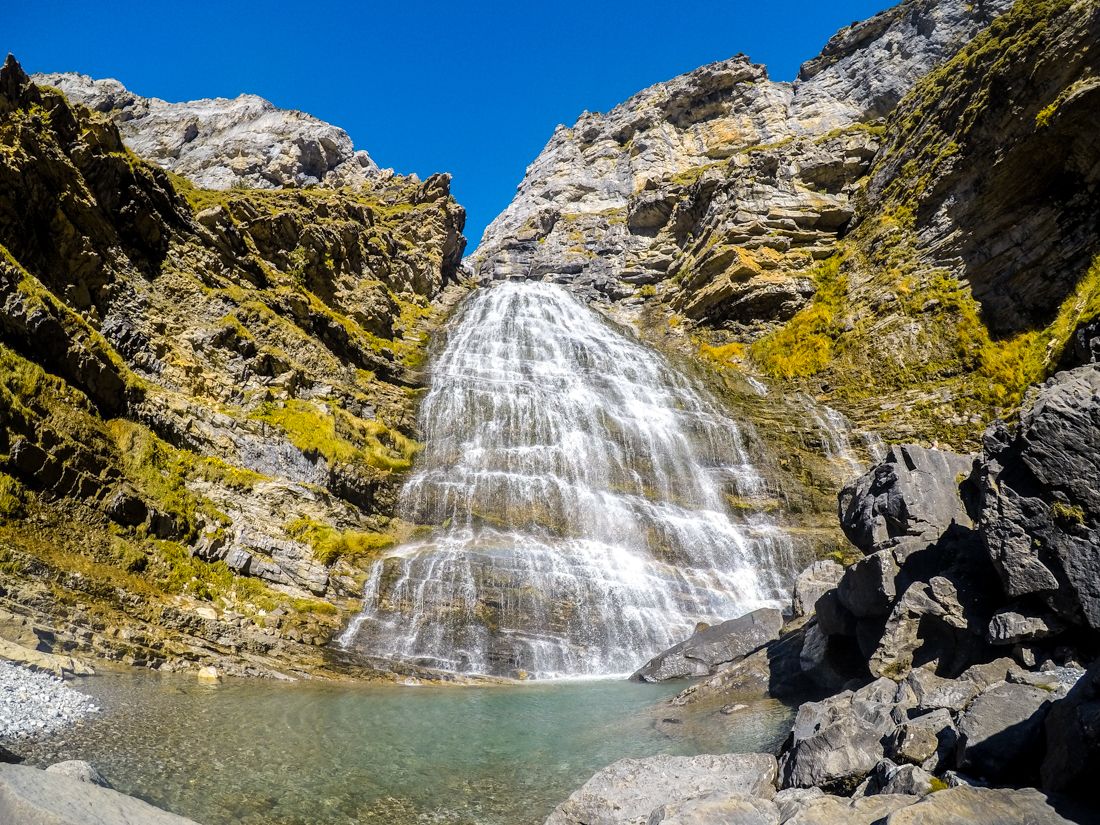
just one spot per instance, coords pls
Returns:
(473, 89)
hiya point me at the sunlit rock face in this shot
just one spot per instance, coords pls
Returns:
(721, 180)
(576, 486)
(220, 143)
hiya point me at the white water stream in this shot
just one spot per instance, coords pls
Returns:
(580, 490)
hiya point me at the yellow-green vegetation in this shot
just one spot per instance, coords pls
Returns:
(11, 497)
(1068, 514)
(330, 544)
(722, 355)
(339, 436)
(804, 346)
(937, 784)
(160, 472)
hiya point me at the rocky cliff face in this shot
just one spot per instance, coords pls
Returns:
(208, 397)
(721, 182)
(220, 143)
(905, 232)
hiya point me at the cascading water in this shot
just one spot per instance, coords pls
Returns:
(578, 489)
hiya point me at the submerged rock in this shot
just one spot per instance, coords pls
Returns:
(79, 770)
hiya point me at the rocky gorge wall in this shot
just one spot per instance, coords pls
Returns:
(902, 233)
(208, 396)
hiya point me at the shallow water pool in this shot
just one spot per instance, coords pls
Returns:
(248, 751)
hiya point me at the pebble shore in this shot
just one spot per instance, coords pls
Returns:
(35, 703)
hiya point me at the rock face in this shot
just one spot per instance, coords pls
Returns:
(33, 797)
(1038, 491)
(721, 181)
(714, 646)
(220, 143)
(217, 398)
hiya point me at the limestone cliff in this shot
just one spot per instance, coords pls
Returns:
(722, 182)
(905, 232)
(207, 397)
(220, 143)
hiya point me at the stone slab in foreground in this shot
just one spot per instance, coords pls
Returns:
(628, 791)
(32, 797)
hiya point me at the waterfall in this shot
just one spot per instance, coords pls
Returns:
(581, 497)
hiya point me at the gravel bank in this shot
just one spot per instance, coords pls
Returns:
(36, 703)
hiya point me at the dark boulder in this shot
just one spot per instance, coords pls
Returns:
(1040, 502)
(1072, 727)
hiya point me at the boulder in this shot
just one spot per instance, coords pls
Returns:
(911, 499)
(835, 743)
(813, 583)
(834, 618)
(979, 806)
(79, 770)
(829, 662)
(928, 740)
(32, 797)
(717, 808)
(867, 588)
(713, 646)
(931, 691)
(836, 810)
(1072, 727)
(1040, 506)
(1008, 627)
(774, 670)
(629, 790)
(903, 779)
(1000, 733)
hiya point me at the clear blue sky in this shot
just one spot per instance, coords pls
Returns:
(474, 89)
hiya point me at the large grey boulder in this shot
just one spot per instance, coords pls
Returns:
(1000, 733)
(931, 692)
(979, 806)
(720, 644)
(627, 792)
(1072, 728)
(836, 743)
(1040, 502)
(32, 797)
(912, 499)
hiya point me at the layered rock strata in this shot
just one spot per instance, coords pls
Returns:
(208, 397)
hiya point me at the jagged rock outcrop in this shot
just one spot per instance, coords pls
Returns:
(725, 183)
(221, 143)
(209, 397)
